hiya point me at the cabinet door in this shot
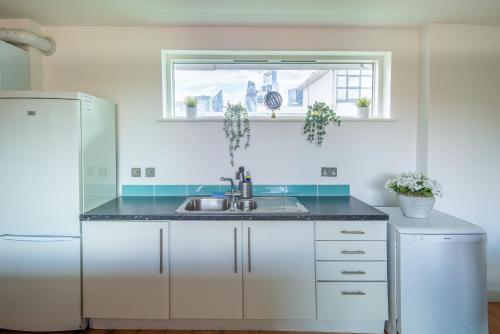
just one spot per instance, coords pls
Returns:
(206, 275)
(279, 280)
(125, 270)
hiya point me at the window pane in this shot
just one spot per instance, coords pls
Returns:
(367, 72)
(214, 89)
(341, 94)
(366, 93)
(366, 82)
(353, 94)
(214, 84)
(353, 82)
(341, 81)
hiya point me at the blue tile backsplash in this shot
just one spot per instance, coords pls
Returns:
(202, 190)
(258, 190)
(170, 190)
(138, 190)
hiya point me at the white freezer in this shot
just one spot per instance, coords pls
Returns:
(40, 283)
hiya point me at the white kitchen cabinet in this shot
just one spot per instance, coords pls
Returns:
(125, 270)
(357, 301)
(351, 271)
(14, 67)
(206, 273)
(279, 280)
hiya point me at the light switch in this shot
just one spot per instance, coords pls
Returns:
(136, 172)
(150, 172)
(329, 171)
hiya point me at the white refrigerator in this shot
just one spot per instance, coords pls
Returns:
(57, 159)
(437, 275)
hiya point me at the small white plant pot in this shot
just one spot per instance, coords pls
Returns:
(191, 112)
(416, 206)
(363, 112)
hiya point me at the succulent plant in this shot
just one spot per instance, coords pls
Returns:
(363, 102)
(191, 101)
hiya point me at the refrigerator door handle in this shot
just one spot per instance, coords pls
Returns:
(35, 239)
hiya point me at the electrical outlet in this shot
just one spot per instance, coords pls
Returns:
(136, 172)
(329, 171)
(150, 172)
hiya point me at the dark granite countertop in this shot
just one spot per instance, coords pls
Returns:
(163, 208)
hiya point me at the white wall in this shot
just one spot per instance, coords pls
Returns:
(123, 64)
(463, 124)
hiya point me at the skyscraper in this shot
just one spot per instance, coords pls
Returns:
(251, 97)
(217, 102)
(270, 81)
(295, 97)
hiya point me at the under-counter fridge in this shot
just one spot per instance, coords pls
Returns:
(57, 159)
(437, 276)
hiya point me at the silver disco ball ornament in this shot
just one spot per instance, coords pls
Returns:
(273, 101)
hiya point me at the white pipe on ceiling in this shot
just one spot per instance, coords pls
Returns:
(45, 44)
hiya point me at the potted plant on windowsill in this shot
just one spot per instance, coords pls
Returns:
(416, 193)
(363, 105)
(191, 107)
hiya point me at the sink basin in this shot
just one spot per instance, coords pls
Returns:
(208, 204)
(257, 205)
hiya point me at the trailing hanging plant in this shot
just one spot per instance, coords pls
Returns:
(236, 127)
(318, 116)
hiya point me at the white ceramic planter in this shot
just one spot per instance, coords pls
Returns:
(363, 112)
(416, 206)
(191, 112)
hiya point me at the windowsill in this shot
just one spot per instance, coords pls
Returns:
(282, 119)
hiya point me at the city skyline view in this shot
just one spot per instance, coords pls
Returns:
(234, 83)
(214, 86)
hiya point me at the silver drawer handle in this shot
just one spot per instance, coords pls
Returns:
(353, 293)
(352, 232)
(353, 252)
(161, 251)
(358, 272)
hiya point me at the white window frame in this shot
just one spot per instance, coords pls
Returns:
(382, 71)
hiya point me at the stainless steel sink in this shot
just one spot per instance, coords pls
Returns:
(256, 205)
(207, 204)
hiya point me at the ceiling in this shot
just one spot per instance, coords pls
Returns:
(380, 13)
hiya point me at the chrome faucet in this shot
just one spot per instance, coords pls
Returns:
(233, 190)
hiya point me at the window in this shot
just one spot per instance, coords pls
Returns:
(352, 84)
(218, 78)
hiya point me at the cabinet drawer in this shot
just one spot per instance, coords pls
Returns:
(351, 271)
(347, 230)
(352, 300)
(351, 250)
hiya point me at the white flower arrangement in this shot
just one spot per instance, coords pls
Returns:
(414, 184)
